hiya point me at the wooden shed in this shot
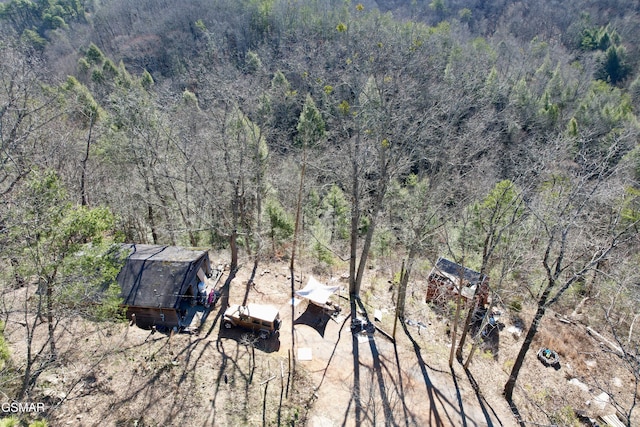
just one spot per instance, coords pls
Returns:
(158, 282)
(447, 278)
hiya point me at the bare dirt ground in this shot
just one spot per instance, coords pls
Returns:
(119, 375)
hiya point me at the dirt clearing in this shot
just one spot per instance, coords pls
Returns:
(120, 375)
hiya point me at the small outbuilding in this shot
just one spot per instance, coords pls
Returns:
(447, 278)
(159, 282)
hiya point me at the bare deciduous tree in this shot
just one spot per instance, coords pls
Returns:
(568, 206)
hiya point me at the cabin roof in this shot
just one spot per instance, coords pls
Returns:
(454, 271)
(158, 276)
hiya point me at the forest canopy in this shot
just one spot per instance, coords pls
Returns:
(501, 133)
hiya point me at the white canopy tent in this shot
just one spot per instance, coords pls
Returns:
(317, 292)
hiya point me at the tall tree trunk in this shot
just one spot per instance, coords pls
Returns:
(296, 230)
(165, 211)
(152, 224)
(476, 340)
(52, 341)
(233, 244)
(404, 282)
(364, 255)
(150, 214)
(260, 167)
(355, 222)
(402, 290)
(83, 166)
(30, 328)
(362, 262)
(487, 251)
(185, 219)
(531, 333)
(235, 223)
(454, 329)
(473, 303)
(515, 371)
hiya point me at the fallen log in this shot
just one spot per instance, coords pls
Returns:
(613, 346)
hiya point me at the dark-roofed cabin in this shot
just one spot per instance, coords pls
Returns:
(156, 281)
(446, 277)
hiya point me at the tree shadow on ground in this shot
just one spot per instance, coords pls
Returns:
(379, 395)
(242, 336)
(89, 380)
(377, 371)
(355, 392)
(190, 356)
(409, 419)
(516, 413)
(194, 353)
(463, 417)
(484, 405)
(157, 362)
(230, 368)
(434, 395)
(155, 369)
(335, 347)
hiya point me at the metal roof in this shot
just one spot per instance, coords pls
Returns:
(454, 271)
(158, 276)
(256, 311)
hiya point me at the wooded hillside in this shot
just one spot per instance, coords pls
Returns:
(502, 135)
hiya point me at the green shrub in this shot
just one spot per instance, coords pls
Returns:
(4, 348)
(10, 422)
(515, 305)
